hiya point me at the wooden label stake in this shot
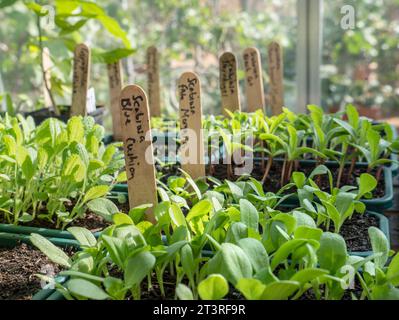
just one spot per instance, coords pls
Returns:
(80, 82)
(253, 80)
(154, 94)
(229, 82)
(47, 66)
(192, 142)
(137, 144)
(275, 58)
(115, 86)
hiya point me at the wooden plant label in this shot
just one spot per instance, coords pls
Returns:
(192, 142)
(137, 144)
(154, 94)
(229, 89)
(80, 82)
(115, 86)
(275, 58)
(47, 66)
(253, 80)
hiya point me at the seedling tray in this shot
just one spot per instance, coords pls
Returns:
(375, 204)
(383, 225)
(45, 232)
(52, 294)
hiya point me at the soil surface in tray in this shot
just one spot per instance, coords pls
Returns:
(18, 267)
(355, 232)
(273, 181)
(91, 221)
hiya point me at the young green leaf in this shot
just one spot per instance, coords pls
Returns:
(280, 290)
(256, 253)
(95, 192)
(103, 207)
(54, 253)
(138, 267)
(84, 236)
(122, 219)
(332, 253)
(200, 209)
(214, 287)
(231, 262)
(380, 245)
(249, 214)
(183, 292)
(367, 183)
(86, 289)
(252, 289)
(393, 271)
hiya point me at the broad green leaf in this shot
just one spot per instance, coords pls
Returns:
(393, 271)
(305, 232)
(138, 267)
(75, 129)
(299, 179)
(249, 214)
(83, 275)
(285, 250)
(200, 209)
(177, 215)
(122, 219)
(25, 217)
(183, 292)
(236, 232)
(103, 207)
(214, 287)
(303, 219)
(6, 3)
(235, 190)
(252, 289)
(231, 262)
(353, 116)
(380, 244)
(115, 248)
(87, 289)
(96, 192)
(137, 213)
(280, 290)
(74, 168)
(112, 56)
(307, 275)
(332, 253)
(187, 261)
(84, 236)
(367, 183)
(256, 253)
(54, 253)
(385, 292)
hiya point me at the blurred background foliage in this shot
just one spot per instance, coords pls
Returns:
(359, 65)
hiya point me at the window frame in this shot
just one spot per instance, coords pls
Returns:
(309, 53)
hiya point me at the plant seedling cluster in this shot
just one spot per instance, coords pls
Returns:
(51, 171)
